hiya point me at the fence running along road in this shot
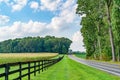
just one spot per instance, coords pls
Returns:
(30, 67)
(107, 67)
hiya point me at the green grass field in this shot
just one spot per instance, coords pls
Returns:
(68, 69)
(21, 57)
(80, 55)
(16, 57)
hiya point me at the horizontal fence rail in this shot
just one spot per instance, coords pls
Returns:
(29, 67)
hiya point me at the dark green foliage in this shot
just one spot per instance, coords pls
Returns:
(100, 28)
(36, 44)
(80, 54)
(116, 26)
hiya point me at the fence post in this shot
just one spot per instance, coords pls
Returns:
(39, 66)
(34, 68)
(28, 70)
(53, 62)
(47, 64)
(42, 65)
(6, 71)
(20, 73)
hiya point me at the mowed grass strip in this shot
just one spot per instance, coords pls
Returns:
(83, 56)
(68, 69)
(80, 55)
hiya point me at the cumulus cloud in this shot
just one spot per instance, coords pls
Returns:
(4, 1)
(1, 0)
(66, 18)
(68, 4)
(51, 5)
(20, 29)
(77, 42)
(3, 19)
(34, 5)
(31, 28)
(17, 5)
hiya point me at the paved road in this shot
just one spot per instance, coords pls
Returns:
(108, 67)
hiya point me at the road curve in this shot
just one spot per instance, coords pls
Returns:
(107, 67)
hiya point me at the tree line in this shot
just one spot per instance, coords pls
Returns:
(100, 28)
(35, 44)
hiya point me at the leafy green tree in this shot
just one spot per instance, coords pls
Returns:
(36, 44)
(103, 17)
(116, 25)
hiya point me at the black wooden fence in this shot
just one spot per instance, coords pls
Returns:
(29, 67)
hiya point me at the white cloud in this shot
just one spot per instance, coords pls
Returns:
(68, 4)
(4, 1)
(51, 5)
(17, 5)
(31, 28)
(66, 18)
(34, 5)
(19, 29)
(3, 19)
(1, 1)
(77, 44)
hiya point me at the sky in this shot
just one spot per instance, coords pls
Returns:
(23, 18)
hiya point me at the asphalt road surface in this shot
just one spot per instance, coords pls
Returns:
(107, 67)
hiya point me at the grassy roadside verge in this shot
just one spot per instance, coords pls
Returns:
(80, 55)
(83, 56)
(68, 69)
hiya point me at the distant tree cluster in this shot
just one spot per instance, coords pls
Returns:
(35, 44)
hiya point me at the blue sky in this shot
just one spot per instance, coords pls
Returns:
(22, 18)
